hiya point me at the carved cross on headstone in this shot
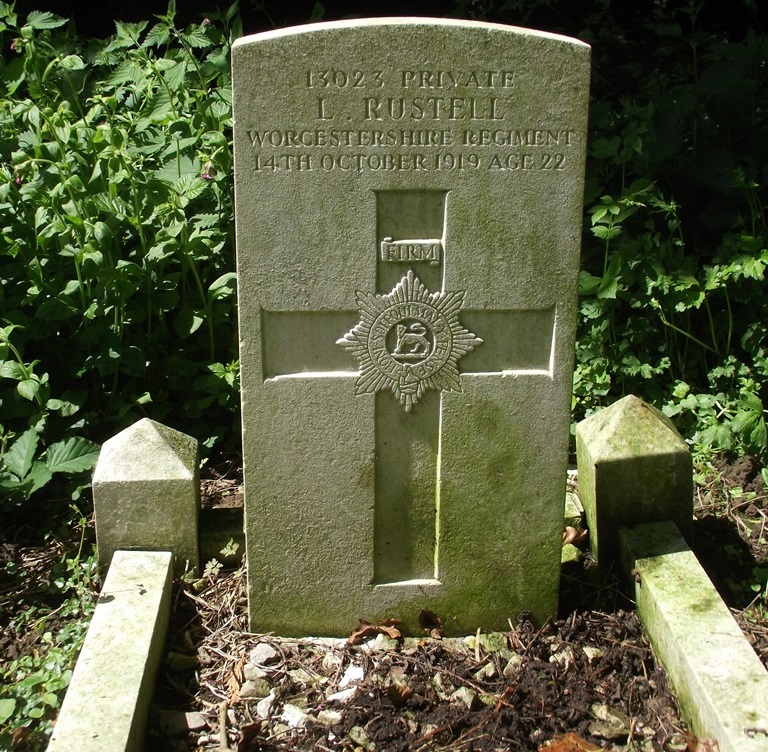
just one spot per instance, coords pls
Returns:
(408, 204)
(409, 342)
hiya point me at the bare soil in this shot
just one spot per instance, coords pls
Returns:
(585, 681)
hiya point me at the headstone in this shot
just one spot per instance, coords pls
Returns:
(408, 209)
(634, 467)
(146, 494)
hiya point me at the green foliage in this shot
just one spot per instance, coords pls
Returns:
(33, 685)
(675, 246)
(116, 251)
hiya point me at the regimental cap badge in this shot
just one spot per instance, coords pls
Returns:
(409, 340)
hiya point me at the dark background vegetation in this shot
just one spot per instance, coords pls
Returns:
(731, 18)
(131, 311)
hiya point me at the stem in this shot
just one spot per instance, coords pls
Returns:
(685, 334)
(730, 322)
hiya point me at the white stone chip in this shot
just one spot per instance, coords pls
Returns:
(264, 707)
(264, 654)
(294, 716)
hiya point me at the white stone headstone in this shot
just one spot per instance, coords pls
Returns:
(408, 209)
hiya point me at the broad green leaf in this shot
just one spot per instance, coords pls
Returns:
(158, 35)
(18, 459)
(224, 286)
(56, 309)
(38, 476)
(588, 283)
(28, 388)
(175, 74)
(189, 187)
(44, 20)
(606, 233)
(7, 708)
(72, 63)
(752, 401)
(72, 455)
(718, 436)
(603, 148)
(10, 369)
(196, 38)
(65, 408)
(187, 322)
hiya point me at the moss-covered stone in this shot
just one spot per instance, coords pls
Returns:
(633, 467)
(146, 494)
(380, 482)
(720, 683)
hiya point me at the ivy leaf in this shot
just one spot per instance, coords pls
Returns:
(18, 459)
(73, 455)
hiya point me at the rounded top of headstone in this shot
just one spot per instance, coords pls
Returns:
(404, 21)
(629, 428)
(147, 450)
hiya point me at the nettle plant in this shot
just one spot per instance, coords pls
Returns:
(673, 305)
(116, 252)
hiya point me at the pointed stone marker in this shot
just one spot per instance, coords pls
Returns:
(146, 493)
(634, 467)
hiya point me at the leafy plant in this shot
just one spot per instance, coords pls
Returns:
(116, 254)
(32, 686)
(675, 246)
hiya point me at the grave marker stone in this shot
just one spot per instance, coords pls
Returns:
(408, 207)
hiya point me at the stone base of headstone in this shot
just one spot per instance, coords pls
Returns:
(146, 494)
(634, 467)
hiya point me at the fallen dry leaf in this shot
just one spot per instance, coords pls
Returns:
(431, 622)
(249, 741)
(701, 745)
(398, 694)
(234, 689)
(569, 742)
(574, 535)
(365, 630)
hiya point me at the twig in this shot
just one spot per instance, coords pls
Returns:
(223, 741)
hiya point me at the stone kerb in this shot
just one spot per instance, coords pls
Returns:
(146, 494)
(721, 685)
(107, 702)
(634, 467)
